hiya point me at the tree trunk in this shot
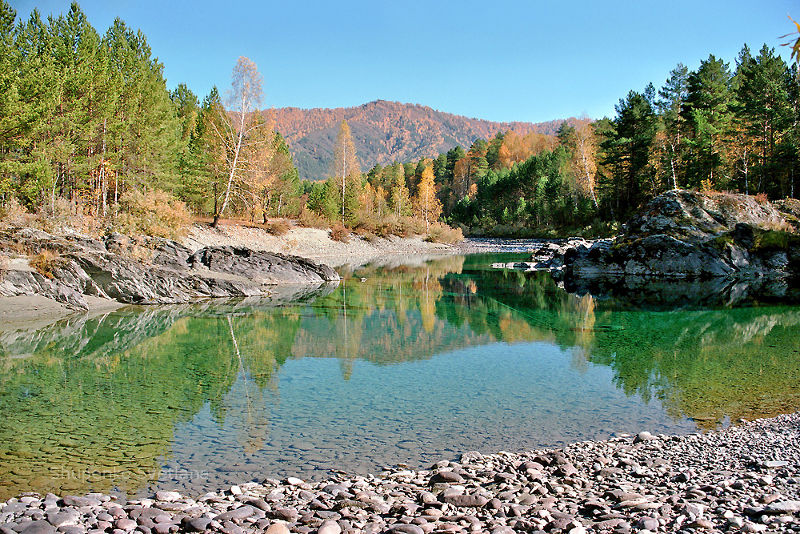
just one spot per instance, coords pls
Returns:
(103, 186)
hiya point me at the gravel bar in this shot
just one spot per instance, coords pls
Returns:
(741, 479)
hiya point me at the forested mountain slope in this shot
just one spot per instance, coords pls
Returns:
(384, 132)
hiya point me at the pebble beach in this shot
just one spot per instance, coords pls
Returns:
(745, 478)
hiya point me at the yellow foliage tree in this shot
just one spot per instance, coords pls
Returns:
(426, 205)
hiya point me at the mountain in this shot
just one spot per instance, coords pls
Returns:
(384, 132)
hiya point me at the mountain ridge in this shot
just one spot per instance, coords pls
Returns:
(384, 132)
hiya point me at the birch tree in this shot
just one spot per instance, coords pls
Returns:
(237, 128)
(584, 156)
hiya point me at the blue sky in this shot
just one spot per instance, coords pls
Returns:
(532, 60)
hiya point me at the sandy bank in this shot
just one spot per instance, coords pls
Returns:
(315, 244)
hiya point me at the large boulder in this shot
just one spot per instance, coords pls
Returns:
(691, 235)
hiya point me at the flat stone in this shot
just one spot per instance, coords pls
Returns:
(125, 524)
(196, 524)
(406, 529)
(475, 501)
(236, 513)
(277, 528)
(329, 527)
(38, 527)
(78, 502)
(66, 517)
(446, 477)
(783, 507)
(287, 514)
(168, 496)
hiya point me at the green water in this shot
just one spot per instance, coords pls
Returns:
(408, 364)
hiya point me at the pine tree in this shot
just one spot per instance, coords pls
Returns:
(764, 107)
(708, 121)
(671, 98)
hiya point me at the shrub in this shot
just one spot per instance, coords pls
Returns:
(340, 233)
(278, 227)
(46, 262)
(154, 213)
(441, 233)
(14, 214)
(761, 198)
(309, 219)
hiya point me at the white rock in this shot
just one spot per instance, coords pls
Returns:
(168, 496)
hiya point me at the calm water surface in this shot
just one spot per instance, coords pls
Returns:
(408, 364)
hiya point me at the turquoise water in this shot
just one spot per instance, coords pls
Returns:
(409, 364)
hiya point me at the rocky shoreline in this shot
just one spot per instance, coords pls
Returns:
(145, 270)
(741, 479)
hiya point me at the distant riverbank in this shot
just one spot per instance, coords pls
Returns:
(24, 308)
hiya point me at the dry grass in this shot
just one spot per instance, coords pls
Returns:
(278, 227)
(3, 266)
(340, 233)
(153, 213)
(778, 226)
(46, 262)
(13, 214)
(309, 219)
(441, 233)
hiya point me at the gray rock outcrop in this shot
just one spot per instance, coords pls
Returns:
(151, 270)
(694, 236)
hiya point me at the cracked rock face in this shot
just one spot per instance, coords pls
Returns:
(154, 271)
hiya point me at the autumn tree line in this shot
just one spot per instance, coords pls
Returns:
(89, 127)
(720, 127)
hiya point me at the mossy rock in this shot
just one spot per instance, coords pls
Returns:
(774, 240)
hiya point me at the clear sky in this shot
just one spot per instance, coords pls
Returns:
(531, 60)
